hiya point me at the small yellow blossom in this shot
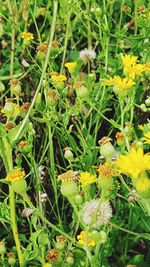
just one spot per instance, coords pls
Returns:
(59, 78)
(120, 84)
(87, 178)
(47, 265)
(71, 66)
(134, 163)
(147, 66)
(15, 175)
(128, 60)
(143, 185)
(14, 111)
(131, 67)
(27, 36)
(146, 138)
(84, 239)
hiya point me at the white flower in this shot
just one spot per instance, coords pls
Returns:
(87, 54)
(95, 213)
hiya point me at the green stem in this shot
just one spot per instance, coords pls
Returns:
(43, 72)
(65, 42)
(14, 225)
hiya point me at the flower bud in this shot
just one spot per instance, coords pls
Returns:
(15, 87)
(70, 259)
(107, 150)
(2, 248)
(69, 189)
(68, 154)
(11, 258)
(143, 107)
(82, 92)
(95, 236)
(147, 102)
(103, 237)
(8, 109)
(78, 199)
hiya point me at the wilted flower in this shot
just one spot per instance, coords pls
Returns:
(84, 239)
(133, 196)
(95, 213)
(42, 48)
(43, 198)
(68, 176)
(27, 212)
(52, 255)
(22, 143)
(87, 54)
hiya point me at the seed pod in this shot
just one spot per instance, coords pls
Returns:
(69, 189)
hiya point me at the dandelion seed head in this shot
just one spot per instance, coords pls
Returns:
(87, 54)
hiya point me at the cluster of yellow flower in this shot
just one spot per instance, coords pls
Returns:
(131, 69)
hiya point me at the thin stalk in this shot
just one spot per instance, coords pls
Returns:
(43, 71)
(65, 42)
(14, 225)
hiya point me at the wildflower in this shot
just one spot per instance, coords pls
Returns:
(59, 78)
(42, 48)
(27, 36)
(87, 178)
(143, 185)
(55, 43)
(106, 170)
(43, 198)
(141, 127)
(15, 175)
(87, 54)
(146, 138)
(95, 213)
(131, 68)
(61, 242)
(126, 9)
(52, 255)
(120, 84)
(134, 163)
(84, 239)
(71, 66)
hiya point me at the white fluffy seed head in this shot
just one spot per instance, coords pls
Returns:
(95, 213)
(87, 54)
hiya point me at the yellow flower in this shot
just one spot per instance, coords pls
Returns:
(134, 163)
(128, 60)
(13, 112)
(146, 138)
(143, 185)
(131, 68)
(87, 178)
(84, 239)
(147, 66)
(71, 66)
(58, 78)
(47, 265)
(120, 84)
(27, 36)
(15, 175)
